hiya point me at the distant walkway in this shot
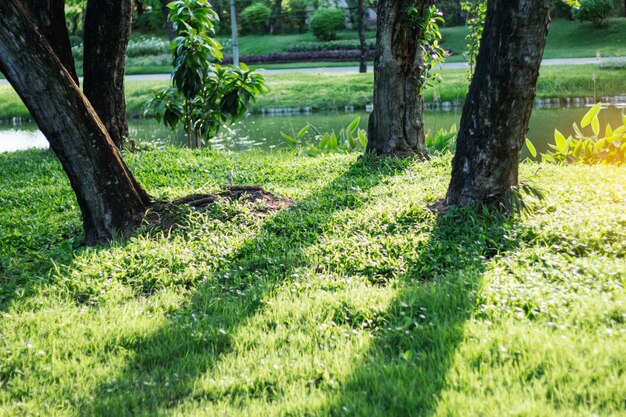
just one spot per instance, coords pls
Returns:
(340, 70)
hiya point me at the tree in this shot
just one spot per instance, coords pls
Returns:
(396, 125)
(107, 30)
(49, 17)
(276, 18)
(362, 41)
(497, 109)
(110, 199)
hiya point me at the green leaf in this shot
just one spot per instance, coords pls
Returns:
(595, 126)
(288, 138)
(579, 134)
(353, 125)
(590, 115)
(559, 139)
(324, 141)
(578, 148)
(362, 137)
(302, 131)
(531, 148)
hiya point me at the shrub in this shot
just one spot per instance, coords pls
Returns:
(255, 18)
(595, 11)
(147, 47)
(594, 149)
(340, 45)
(326, 22)
(294, 16)
(152, 21)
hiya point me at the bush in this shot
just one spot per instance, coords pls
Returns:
(326, 22)
(150, 22)
(341, 45)
(147, 47)
(294, 16)
(255, 18)
(595, 11)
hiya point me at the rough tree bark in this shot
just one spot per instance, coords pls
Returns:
(362, 41)
(109, 197)
(49, 17)
(494, 122)
(107, 30)
(396, 125)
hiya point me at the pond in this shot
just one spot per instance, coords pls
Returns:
(263, 132)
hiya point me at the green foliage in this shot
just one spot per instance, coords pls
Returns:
(476, 11)
(325, 23)
(203, 95)
(294, 16)
(150, 21)
(146, 47)
(354, 139)
(432, 51)
(595, 11)
(452, 12)
(349, 139)
(441, 142)
(594, 149)
(255, 19)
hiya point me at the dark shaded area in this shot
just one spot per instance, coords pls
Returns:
(240, 281)
(404, 371)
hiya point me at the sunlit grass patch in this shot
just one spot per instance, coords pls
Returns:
(355, 300)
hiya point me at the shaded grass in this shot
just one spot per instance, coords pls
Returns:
(354, 301)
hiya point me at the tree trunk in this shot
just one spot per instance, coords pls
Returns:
(396, 125)
(165, 11)
(495, 116)
(109, 197)
(49, 17)
(276, 22)
(107, 29)
(362, 40)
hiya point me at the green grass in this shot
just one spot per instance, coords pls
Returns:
(327, 91)
(571, 39)
(354, 301)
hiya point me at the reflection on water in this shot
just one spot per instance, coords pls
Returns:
(263, 132)
(15, 136)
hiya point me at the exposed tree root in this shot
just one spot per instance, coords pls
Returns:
(163, 215)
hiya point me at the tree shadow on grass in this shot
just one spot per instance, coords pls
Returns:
(167, 363)
(404, 370)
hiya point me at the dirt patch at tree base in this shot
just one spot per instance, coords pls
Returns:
(162, 215)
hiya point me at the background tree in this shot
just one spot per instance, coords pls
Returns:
(360, 10)
(396, 125)
(497, 109)
(110, 199)
(49, 17)
(107, 31)
(276, 18)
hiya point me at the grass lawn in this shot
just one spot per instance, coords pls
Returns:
(328, 91)
(567, 39)
(353, 301)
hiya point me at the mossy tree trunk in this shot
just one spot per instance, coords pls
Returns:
(396, 126)
(494, 122)
(109, 197)
(107, 30)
